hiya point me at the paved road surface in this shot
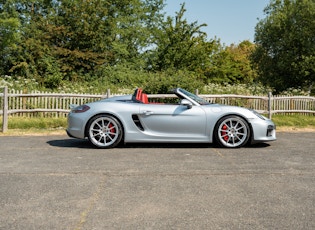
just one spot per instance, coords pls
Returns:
(54, 182)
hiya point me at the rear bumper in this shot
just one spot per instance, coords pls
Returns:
(76, 126)
(69, 134)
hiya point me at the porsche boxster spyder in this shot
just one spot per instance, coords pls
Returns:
(188, 119)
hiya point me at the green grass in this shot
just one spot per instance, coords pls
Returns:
(36, 123)
(296, 120)
(47, 124)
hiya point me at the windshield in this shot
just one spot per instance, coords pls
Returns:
(200, 100)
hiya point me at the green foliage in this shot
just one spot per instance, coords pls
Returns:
(285, 44)
(75, 45)
(73, 39)
(153, 82)
(9, 34)
(162, 82)
(180, 45)
(231, 65)
(239, 89)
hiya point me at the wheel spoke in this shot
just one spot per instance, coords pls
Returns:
(233, 132)
(104, 131)
(240, 134)
(96, 134)
(109, 137)
(233, 140)
(96, 123)
(112, 133)
(240, 139)
(236, 125)
(112, 129)
(95, 130)
(231, 123)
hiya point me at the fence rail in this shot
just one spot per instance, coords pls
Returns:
(17, 103)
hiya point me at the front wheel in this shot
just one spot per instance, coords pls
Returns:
(232, 132)
(104, 131)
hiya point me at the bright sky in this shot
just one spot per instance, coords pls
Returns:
(232, 21)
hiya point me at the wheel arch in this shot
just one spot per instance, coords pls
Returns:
(109, 114)
(233, 114)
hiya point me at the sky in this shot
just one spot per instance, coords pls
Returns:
(231, 21)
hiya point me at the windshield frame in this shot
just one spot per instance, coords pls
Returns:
(194, 97)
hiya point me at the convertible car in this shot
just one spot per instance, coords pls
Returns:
(188, 119)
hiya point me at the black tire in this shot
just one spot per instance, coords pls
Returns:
(232, 132)
(104, 131)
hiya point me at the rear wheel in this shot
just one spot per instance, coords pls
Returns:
(232, 132)
(104, 131)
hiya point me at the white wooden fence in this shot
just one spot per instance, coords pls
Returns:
(17, 103)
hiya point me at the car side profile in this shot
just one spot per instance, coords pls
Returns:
(189, 119)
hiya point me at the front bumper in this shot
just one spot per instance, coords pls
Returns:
(263, 131)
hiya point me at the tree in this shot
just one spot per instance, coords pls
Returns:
(9, 35)
(31, 56)
(232, 65)
(72, 39)
(180, 45)
(285, 40)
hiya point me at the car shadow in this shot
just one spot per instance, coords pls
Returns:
(71, 143)
(257, 145)
(84, 143)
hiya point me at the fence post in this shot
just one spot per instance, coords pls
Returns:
(108, 93)
(269, 105)
(5, 110)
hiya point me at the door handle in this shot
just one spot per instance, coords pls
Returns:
(147, 113)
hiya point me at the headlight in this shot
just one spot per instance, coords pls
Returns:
(259, 115)
(80, 109)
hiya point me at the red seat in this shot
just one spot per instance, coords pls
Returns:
(139, 93)
(142, 97)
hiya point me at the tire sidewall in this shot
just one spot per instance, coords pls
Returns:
(112, 119)
(217, 137)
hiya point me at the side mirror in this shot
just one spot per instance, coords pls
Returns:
(186, 103)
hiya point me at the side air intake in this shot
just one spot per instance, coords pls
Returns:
(137, 122)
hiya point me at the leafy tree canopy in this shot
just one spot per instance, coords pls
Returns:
(231, 65)
(118, 42)
(285, 44)
(180, 45)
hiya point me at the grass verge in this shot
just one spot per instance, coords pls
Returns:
(35, 125)
(296, 120)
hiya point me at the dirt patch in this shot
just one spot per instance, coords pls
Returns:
(34, 132)
(295, 129)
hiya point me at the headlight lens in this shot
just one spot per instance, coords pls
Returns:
(80, 109)
(259, 115)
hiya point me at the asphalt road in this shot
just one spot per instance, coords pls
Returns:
(54, 182)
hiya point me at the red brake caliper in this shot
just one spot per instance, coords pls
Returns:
(110, 126)
(223, 133)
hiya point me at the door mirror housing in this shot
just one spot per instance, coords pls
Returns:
(186, 103)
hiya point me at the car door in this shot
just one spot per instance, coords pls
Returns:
(173, 121)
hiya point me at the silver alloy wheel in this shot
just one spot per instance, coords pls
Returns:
(104, 131)
(232, 131)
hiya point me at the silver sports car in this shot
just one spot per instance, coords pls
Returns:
(190, 119)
